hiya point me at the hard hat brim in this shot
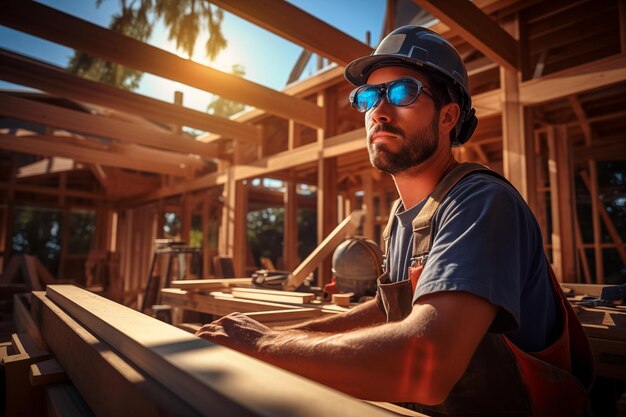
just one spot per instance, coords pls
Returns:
(358, 71)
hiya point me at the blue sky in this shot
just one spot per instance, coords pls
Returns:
(267, 58)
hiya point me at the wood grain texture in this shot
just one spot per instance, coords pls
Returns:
(212, 379)
(108, 383)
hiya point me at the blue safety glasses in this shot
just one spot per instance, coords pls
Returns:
(401, 92)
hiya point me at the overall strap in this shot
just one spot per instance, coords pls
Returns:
(422, 236)
(387, 232)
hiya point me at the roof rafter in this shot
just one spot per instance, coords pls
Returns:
(293, 24)
(29, 72)
(53, 25)
(477, 28)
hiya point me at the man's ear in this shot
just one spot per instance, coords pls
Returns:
(448, 116)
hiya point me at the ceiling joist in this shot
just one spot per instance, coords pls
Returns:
(293, 24)
(55, 116)
(120, 156)
(53, 80)
(53, 25)
(472, 24)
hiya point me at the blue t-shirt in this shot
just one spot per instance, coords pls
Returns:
(486, 242)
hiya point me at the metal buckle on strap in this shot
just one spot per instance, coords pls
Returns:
(419, 260)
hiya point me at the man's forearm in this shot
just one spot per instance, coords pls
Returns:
(377, 363)
(363, 315)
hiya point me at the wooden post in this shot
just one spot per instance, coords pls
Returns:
(240, 243)
(621, 5)
(10, 213)
(563, 204)
(597, 227)
(368, 202)
(326, 208)
(290, 231)
(294, 135)
(514, 149)
(178, 100)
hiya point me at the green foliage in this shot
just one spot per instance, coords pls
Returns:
(183, 18)
(265, 233)
(224, 107)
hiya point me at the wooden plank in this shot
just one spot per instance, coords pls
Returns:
(347, 226)
(480, 31)
(59, 27)
(113, 155)
(273, 296)
(46, 372)
(211, 378)
(342, 299)
(29, 72)
(64, 400)
(211, 284)
(112, 386)
(24, 322)
(99, 126)
(21, 398)
(216, 303)
(299, 27)
(584, 289)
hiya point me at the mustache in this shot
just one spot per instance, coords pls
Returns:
(386, 127)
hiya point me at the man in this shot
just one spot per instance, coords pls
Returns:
(451, 325)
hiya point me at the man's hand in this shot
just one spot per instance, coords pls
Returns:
(236, 331)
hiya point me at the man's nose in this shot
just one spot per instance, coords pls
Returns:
(382, 112)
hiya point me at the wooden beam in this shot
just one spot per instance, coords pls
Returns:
(47, 166)
(581, 117)
(99, 126)
(84, 355)
(212, 379)
(330, 242)
(53, 25)
(299, 27)
(121, 156)
(477, 28)
(26, 71)
(586, 77)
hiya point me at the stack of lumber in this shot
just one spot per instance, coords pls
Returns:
(605, 327)
(225, 296)
(122, 362)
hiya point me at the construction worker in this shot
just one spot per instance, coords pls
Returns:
(468, 318)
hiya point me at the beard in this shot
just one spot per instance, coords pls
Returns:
(413, 151)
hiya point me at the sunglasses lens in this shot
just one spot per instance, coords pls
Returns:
(366, 98)
(403, 92)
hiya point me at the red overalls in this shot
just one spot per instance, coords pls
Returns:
(501, 379)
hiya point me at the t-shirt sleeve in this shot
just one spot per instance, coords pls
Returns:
(480, 246)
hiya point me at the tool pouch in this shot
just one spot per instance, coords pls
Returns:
(395, 298)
